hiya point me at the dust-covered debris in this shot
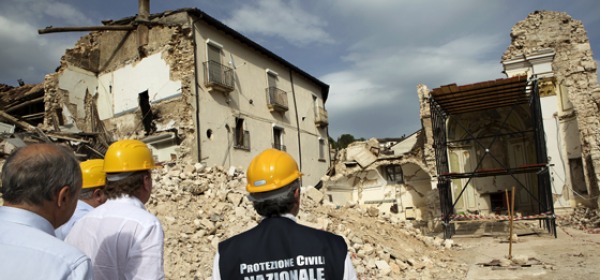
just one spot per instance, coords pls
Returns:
(200, 206)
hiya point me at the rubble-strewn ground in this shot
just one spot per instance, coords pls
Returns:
(200, 206)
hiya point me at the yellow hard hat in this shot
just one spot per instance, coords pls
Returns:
(270, 170)
(128, 156)
(93, 173)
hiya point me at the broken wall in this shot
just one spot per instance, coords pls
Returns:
(100, 81)
(576, 77)
(364, 176)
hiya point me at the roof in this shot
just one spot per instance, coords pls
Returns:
(481, 96)
(238, 36)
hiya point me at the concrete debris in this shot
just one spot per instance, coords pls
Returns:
(200, 206)
(581, 217)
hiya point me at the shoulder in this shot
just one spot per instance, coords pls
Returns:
(123, 211)
(38, 244)
(321, 234)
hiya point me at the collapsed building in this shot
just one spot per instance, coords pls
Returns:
(193, 89)
(535, 130)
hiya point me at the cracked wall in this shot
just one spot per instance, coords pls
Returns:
(575, 72)
(97, 85)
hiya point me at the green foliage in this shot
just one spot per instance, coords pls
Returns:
(332, 143)
(344, 140)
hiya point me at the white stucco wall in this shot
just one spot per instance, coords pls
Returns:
(122, 86)
(76, 81)
(553, 146)
(218, 111)
(117, 92)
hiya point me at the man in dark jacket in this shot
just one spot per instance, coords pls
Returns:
(278, 247)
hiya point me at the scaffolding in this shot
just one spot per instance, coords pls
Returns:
(502, 97)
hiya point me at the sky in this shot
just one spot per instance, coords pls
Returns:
(372, 54)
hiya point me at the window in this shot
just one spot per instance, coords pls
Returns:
(214, 60)
(278, 138)
(394, 173)
(272, 78)
(316, 106)
(241, 136)
(217, 76)
(276, 97)
(147, 116)
(214, 51)
(321, 149)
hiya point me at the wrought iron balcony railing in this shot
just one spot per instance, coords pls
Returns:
(218, 77)
(242, 141)
(279, 147)
(277, 99)
(321, 117)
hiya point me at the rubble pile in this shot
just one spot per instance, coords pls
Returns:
(200, 206)
(583, 218)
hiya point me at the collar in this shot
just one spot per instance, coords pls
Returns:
(84, 205)
(289, 216)
(126, 199)
(286, 215)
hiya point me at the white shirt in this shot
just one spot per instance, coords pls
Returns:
(29, 249)
(349, 272)
(82, 209)
(123, 240)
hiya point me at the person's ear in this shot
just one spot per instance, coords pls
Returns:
(97, 193)
(63, 196)
(148, 182)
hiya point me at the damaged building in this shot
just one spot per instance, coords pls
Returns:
(536, 130)
(193, 89)
(394, 179)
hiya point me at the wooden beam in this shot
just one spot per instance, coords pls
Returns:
(17, 122)
(21, 105)
(51, 29)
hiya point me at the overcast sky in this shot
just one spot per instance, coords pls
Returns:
(372, 53)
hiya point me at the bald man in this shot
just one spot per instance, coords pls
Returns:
(40, 187)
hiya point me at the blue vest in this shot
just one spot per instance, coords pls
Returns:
(279, 248)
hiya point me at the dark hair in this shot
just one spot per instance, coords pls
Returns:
(126, 186)
(280, 205)
(35, 173)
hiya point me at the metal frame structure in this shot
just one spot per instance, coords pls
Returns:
(507, 93)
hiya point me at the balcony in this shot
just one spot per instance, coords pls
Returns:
(279, 147)
(277, 99)
(218, 77)
(321, 119)
(242, 141)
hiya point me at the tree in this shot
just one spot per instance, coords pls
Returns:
(344, 140)
(332, 143)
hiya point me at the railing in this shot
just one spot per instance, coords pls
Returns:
(279, 147)
(244, 142)
(218, 76)
(277, 99)
(321, 116)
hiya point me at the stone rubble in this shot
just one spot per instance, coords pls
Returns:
(583, 218)
(200, 206)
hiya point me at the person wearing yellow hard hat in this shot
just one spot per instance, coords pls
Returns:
(122, 238)
(278, 247)
(91, 195)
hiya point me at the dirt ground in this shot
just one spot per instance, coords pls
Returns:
(536, 254)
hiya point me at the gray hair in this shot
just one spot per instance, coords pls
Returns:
(35, 173)
(87, 193)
